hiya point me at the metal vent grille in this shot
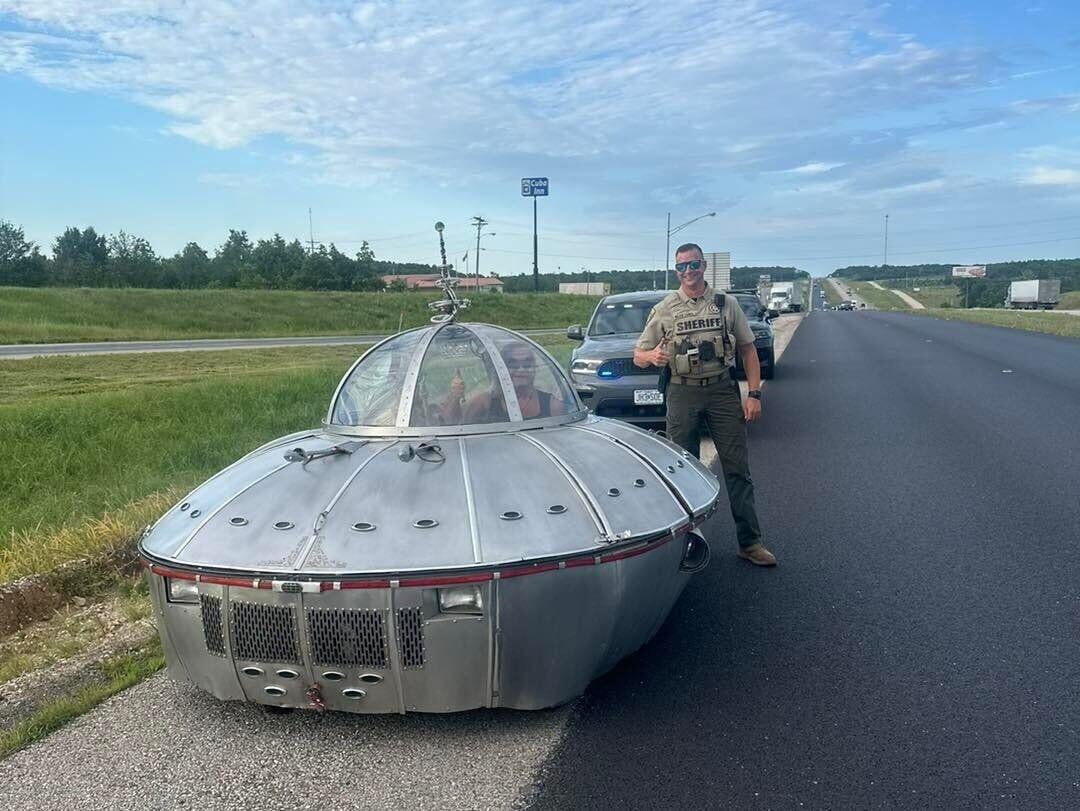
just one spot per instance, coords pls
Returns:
(264, 633)
(213, 632)
(410, 628)
(341, 636)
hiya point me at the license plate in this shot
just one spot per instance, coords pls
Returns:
(648, 397)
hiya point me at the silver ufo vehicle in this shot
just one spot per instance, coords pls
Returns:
(460, 533)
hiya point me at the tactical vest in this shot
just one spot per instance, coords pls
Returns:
(701, 343)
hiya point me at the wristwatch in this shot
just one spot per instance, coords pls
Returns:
(754, 393)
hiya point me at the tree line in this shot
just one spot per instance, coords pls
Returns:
(85, 258)
(627, 281)
(987, 292)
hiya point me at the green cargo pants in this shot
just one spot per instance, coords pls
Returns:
(719, 406)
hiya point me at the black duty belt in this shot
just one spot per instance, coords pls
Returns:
(698, 381)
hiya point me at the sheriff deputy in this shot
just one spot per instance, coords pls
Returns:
(695, 332)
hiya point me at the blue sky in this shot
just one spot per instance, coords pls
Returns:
(801, 124)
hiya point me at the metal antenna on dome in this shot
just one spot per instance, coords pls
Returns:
(446, 309)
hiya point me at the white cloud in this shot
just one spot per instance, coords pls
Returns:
(815, 168)
(1048, 176)
(393, 92)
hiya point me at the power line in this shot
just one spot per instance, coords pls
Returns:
(815, 258)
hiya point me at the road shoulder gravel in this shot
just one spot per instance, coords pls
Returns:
(163, 744)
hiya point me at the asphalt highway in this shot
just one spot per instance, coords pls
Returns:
(917, 645)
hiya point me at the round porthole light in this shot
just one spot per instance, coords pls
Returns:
(283, 525)
(363, 526)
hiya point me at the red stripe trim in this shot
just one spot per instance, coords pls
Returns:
(361, 584)
(521, 571)
(446, 580)
(449, 580)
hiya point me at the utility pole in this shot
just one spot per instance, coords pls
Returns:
(311, 230)
(479, 223)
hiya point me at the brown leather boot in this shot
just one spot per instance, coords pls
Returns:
(758, 555)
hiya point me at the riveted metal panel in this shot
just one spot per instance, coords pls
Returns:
(173, 529)
(279, 515)
(392, 496)
(513, 477)
(696, 483)
(610, 473)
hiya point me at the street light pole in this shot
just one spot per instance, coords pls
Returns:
(667, 251)
(675, 230)
(885, 261)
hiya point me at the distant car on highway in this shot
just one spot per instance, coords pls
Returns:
(602, 368)
(846, 305)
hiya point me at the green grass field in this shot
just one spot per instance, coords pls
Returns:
(1070, 300)
(877, 298)
(41, 315)
(98, 446)
(945, 295)
(1053, 323)
(832, 298)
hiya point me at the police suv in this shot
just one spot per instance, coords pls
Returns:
(602, 368)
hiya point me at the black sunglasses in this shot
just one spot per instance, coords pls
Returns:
(693, 264)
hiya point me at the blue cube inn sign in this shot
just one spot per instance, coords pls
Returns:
(534, 187)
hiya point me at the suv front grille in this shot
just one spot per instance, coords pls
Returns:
(622, 367)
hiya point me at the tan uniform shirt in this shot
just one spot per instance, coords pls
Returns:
(687, 323)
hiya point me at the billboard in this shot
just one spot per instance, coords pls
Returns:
(969, 271)
(718, 270)
(584, 288)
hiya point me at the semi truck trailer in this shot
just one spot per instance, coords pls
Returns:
(1033, 294)
(782, 298)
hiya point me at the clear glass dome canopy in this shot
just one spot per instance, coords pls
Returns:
(470, 378)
